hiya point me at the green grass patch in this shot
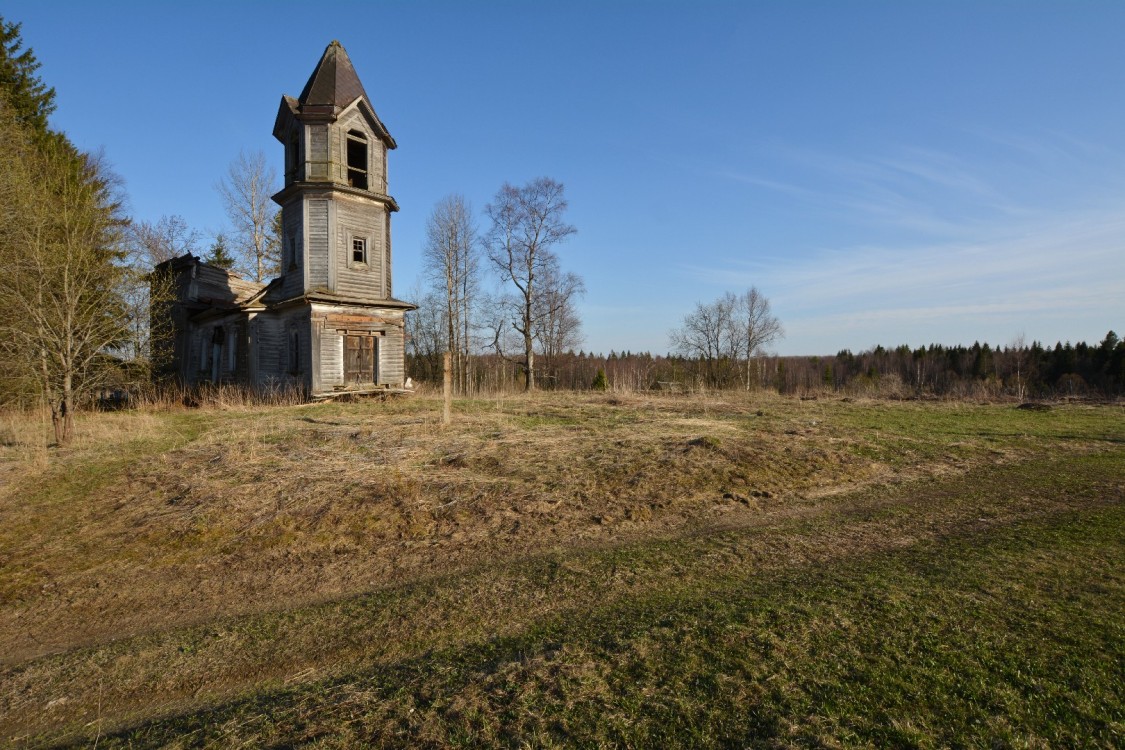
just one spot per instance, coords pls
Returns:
(980, 611)
(1010, 638)
(597, 571)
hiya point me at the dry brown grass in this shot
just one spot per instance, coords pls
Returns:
(23, 442)
(159, 520)
(202, 514)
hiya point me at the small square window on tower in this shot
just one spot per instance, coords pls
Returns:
(359, 249)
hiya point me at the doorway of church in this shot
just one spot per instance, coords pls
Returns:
(361, 360)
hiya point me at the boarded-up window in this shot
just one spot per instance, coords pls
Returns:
(232, 350)
(215, 360)
(359, 359)
(204, 351)
(291, 157)
(294, 353)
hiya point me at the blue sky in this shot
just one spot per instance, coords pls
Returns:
(885, 172)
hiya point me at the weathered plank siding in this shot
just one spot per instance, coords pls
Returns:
(318, 244)
(272, 335)
(190, 299)
(318, 166)
(331, 358)
(204, 283)
(300, 323)
(359, 219)
(392, 367)
(216, 285)
(268, 339)
(388, 291)
(294, 263)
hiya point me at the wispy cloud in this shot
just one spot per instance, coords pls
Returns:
(955, 245)
(935, 170)
(942, 192)
(775, 185)
(1031, 255)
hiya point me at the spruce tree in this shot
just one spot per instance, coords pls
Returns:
(218, 255)
(61, 305)
(600, 383)
(29, 100)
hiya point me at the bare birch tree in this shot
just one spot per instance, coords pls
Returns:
(705, 335)
(152, 243)
(1018, 357)
(451, 258)
(731, 330)
(557, 324)
(755, 327)
(527, 225)
(425, 335)
(246, 192)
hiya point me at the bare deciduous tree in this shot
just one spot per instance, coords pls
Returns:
(451, 260)
(246, 192)
(425, 335)
(1018, 357)
(755, 327)
(705, 335)
(148, 245)
(731, 330)
(527, 224)
(557, 325)
(152, 243)
(60, 290)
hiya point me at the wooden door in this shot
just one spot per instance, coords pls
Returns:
(359, 359)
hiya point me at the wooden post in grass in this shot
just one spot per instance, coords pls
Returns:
(446, 389)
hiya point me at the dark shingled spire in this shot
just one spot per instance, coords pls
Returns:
(332, 87)
(334, 81)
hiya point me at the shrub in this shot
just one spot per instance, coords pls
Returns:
(600, 383)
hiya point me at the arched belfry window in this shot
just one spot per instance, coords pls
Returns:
(357, 159)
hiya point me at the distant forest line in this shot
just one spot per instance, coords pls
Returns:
(980, 370)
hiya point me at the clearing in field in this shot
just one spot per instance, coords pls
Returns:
(559, 570)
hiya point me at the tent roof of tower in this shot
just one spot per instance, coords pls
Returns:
(333, 87)
(334, 81)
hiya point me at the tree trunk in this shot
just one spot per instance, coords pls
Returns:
(67, 410)
(446, 390)
(56, 423)
(528, 341)
(529, 371)
(62, 419)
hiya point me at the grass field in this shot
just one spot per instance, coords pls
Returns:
(740, 570)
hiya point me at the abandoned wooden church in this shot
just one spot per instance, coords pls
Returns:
(330, 321)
